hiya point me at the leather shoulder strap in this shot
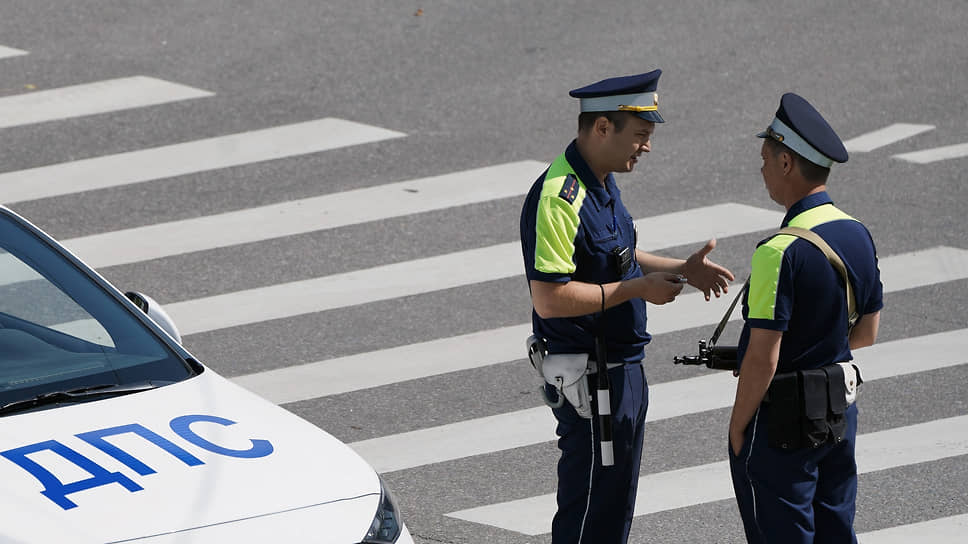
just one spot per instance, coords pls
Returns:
(837, 263)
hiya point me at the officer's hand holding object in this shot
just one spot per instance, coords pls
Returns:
(706, 275)
(660, 287)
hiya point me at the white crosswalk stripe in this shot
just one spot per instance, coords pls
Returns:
(306, 215)
(91, 98)
(949, 530)
(885, 136)
(927, 156)
(186, 158)
(440, 272)
(10, 52)
(708, 483)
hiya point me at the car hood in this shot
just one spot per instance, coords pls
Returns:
(180, 459)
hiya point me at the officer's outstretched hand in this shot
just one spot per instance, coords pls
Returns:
(706, 275)
(661, 287)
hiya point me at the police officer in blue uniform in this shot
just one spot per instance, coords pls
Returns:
(587, 279)
(791, 487)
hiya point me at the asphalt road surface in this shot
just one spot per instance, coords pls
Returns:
(325, 196)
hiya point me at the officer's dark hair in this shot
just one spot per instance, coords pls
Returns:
(586, 120)
(811, 172)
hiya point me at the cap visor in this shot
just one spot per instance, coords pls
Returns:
(651, 116)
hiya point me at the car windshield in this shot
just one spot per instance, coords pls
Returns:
(61, 331)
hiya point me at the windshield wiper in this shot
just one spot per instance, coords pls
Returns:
(78, 395)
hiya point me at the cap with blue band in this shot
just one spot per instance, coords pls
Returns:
(801, 128)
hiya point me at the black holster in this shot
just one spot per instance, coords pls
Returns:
(807, 408)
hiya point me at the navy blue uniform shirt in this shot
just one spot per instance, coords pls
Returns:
(570, 228)
(795, 289)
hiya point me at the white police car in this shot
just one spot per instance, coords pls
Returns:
(110, 431)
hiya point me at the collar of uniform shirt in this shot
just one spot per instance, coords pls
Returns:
(603, 195)
(806, 203)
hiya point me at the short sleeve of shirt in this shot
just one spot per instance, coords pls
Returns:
(875, 300)
(770, 296)
(556, 226)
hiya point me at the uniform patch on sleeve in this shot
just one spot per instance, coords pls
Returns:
(569, 189)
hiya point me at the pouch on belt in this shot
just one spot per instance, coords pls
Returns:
(837, 399)
(815, 406)
(851, 380)
(808, 407)
(783, 425)
(568, 373)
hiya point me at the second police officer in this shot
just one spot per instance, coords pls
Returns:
(588, 279)
(793, 423)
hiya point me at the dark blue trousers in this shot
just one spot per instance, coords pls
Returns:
(596, 503)
(796, 497)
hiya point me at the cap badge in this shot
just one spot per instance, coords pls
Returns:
(774, 134)
(653, 107)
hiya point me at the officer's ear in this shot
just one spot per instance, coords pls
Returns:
(787, 162)
(602, 126)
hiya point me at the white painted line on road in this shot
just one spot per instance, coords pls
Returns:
(186, 158)
(883, 450)
(342, 290)
(10, 52)
(90, 99)
(306, 215)
(490, 347)
(439, 272)
(671, 399)
(949, 530)
(898, 272)
(927, 156)
(387, 366)
(885, 136)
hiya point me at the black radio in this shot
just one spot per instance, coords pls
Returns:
(622, 260)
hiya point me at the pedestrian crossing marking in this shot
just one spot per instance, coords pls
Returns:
(388, 366)
(10, 52)
(659, 492)
(927, 156)
(949, 530)
(90, 99)
(439, 272)
(306, 215)
(490, 347)
(898, 272)
(670, 399)
(187, 158)
(885, 136)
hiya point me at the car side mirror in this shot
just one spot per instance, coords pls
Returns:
(154, 311)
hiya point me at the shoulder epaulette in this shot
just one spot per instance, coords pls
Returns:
(569, 189)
